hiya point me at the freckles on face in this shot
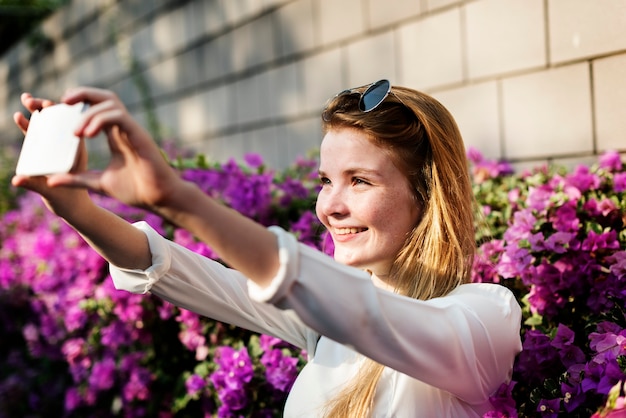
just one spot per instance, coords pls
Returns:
(365, 201)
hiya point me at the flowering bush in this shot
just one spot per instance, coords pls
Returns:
(559, 243)
(74, 346)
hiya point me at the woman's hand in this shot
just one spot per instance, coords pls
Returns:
(137, 173)
(60, 200)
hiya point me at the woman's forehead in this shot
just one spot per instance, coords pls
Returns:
(350, 149)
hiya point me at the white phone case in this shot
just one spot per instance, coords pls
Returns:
(50, 145)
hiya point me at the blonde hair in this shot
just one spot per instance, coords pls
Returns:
(423, 141)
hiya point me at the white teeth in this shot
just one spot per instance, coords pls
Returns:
(344, 231)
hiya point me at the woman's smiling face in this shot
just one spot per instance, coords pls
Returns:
(365, 201)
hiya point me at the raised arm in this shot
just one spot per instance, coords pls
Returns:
(111, 236)
(138, 175)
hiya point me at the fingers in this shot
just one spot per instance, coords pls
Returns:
(21, 121)
(85, 180)
(36, 183)
(32, 104)
(89, 95)
(43, 184)
(101, 116)
(109, 115)
(105, 110)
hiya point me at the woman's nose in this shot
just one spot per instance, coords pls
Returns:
(332, 202)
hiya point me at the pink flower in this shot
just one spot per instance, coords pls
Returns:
(619, 182)
(194, 384)
(611, 161)
(103, 374)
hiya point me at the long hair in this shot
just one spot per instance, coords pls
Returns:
(422, 139)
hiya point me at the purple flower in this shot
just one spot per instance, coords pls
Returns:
(253, 160)
(572, 355)
(103, 374)
(503, 402)
(45, 245)
(281, 371)
(484, 269)
(233, 399)
(522, 226)
(137, 386)
(573, 395)
(292, 190)
(72, 399)
(194, 384)
(268, 342)
(114, 335)
(538, 357)
(605, 240)
(484, 169)
(565, 218)
(606, 206)
(564, 337)
(609, 343)
(235, 371)
(235, 368)
(539, 197)
(559, 242)
(610, 161)
(619, 182)
(549, 407)
(583, 179)
(618, 264)
(514, 262)
(306, 229)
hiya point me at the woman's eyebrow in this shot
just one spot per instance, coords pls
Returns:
(354, 171)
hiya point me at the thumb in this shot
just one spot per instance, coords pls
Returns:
(35, 183)
(85, 180)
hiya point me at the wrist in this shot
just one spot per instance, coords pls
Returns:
(183, 199)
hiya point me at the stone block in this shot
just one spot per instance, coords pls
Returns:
(504, 36)
(548, 113)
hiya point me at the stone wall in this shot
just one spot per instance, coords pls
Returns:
(527, 80)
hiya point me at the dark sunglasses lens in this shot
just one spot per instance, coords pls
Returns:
(374, 95)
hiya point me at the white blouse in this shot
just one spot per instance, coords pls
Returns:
(444, 357)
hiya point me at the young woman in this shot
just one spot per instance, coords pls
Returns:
(392, 326)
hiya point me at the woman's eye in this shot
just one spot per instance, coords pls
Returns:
(324, 180)
(357, 180)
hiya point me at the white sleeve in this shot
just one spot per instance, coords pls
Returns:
(464, 343)
(204, 286)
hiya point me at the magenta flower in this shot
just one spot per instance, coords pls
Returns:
(103, 374)
(137, 385)
(253, 160)
(268, 342)
(565, 218)
(611, 161)
(583, 179)
(618, 264)
(503, 402)
(194, 384)
(619, 182)
(559, 242)
(281, 371)
(72, 399)
(605, 240)
(538, 198)
(549, 408)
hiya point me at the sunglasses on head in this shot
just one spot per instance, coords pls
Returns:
(373, 95)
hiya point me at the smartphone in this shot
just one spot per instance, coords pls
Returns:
(50, 146)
